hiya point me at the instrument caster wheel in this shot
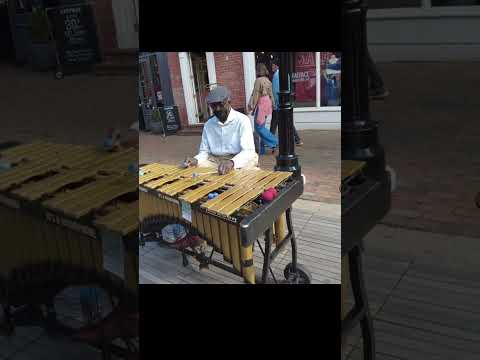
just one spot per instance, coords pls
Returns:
(185, 261)
(301, 276)
(58, 75)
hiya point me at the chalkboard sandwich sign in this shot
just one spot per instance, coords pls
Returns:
(76, 37)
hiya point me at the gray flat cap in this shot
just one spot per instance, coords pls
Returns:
(219, 94)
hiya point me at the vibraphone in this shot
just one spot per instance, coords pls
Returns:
(58, 204)
(232, 221)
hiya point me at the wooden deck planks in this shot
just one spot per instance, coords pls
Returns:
(166, 265)
(423, 312)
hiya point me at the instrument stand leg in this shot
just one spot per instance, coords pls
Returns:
(294, 272)
(293, 240)
(257, 279)
(185, 261)
(267, 255)
(361, 301)
(203, 260)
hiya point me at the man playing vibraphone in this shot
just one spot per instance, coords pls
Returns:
(227, 139)
(227, 144)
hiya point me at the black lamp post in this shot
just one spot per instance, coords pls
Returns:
(369, 202)
(286, 159)
(359, 130)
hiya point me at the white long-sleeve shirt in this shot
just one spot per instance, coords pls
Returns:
(234, 137)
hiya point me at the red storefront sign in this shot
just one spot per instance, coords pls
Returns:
(304, 77)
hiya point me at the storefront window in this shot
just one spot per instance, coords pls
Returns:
(266, 58)
(142, 81)
(304, 71)
(330, 84)
(157, 88)
(146, 82)
(304, 79)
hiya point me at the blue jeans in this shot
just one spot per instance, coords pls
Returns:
(266, 137)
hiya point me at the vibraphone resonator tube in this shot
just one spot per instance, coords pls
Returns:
(70, 217)
(229, 211)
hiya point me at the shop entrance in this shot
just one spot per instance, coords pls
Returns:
(266, 58)
(150, 90)
(201, 84)
(149, 80)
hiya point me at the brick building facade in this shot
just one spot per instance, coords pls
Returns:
(192, 74)
(177, 87)
(230, 73)
(116, 21)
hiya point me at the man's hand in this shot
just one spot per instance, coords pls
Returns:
(189, 162)
(225, 167)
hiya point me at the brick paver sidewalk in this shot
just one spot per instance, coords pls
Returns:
(430, 129)
(319, 158)
(77, 109)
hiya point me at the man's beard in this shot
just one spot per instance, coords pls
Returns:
(221, 115)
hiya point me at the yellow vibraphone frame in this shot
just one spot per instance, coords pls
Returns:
(170, 194)
(56, 202)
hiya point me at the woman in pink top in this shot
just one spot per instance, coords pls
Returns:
(261, 106)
